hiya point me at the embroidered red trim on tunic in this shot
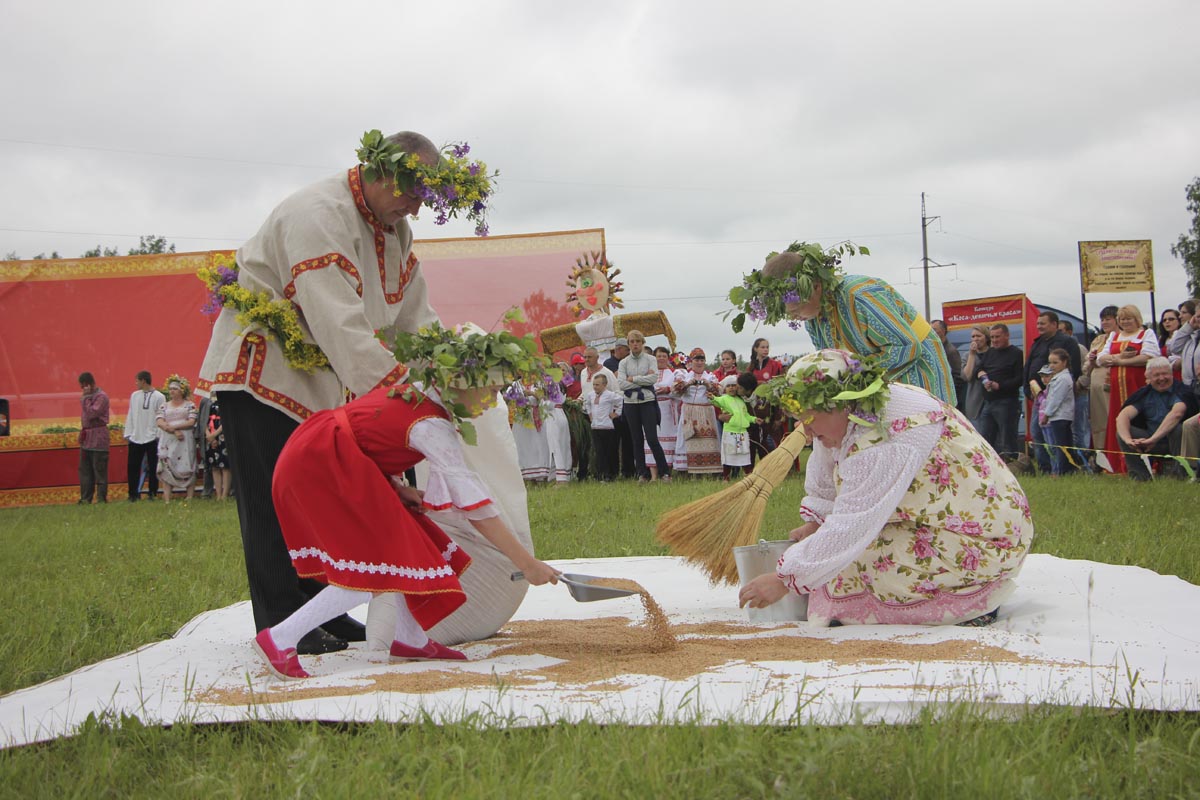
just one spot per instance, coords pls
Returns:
(380, 231)
(360, 200)
(247, 373)
(320, 262)
(397, 374)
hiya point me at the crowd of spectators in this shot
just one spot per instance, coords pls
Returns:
(1128, 402)
(647, 416)
(1125, 403)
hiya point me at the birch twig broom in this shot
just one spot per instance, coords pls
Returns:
(705, 531)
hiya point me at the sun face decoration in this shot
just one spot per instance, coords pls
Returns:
(592, 286)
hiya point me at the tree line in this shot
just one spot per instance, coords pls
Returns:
(147, 246)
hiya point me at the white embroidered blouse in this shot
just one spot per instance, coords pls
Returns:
(873, 481)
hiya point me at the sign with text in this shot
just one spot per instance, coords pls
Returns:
(1126, 266)
(984, 311)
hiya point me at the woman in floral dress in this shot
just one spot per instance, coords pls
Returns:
(909, 515)
(176, 440)
(216, 455)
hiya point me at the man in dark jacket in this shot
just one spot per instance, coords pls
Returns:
(999, 370)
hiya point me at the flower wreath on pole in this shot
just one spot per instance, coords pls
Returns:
(765, 299)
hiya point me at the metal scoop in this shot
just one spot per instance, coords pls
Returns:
(581, 588)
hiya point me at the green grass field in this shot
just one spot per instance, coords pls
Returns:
(86, 583)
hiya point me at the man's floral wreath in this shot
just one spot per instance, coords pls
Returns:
(764, 299)
(452, 186)
(828, 380)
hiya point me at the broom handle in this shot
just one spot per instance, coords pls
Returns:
(795, 441)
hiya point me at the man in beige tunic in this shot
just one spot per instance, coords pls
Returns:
(341, 251)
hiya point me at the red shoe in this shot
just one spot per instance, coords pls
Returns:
(284, 664)
(432, 651)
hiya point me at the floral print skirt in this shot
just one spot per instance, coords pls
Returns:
(951, 549)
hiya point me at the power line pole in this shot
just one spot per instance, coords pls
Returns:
(925, 252)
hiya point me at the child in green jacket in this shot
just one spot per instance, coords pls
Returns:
(733, 412)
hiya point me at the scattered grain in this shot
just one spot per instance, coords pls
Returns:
(594, 653)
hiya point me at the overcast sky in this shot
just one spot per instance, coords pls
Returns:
(700, 135)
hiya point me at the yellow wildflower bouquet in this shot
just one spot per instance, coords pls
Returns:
(278, 318)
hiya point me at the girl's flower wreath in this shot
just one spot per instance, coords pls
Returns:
(827, 380)
(452, 186)
(465, 357)
(764, 299)
(278, 318)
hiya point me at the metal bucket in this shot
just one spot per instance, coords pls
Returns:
(762, 558)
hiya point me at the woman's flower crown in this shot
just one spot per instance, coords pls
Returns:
(466, 357)
(278, 318)
(175, 377)
(452, 186)
(584, 264)
(765, 299)
(827, 380)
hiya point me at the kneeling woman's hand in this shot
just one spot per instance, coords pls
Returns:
(803, 532)
(762, 592)
(539, 572)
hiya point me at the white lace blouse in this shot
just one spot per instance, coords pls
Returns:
(452, 484)
(873, 483)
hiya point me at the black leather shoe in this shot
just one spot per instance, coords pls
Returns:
(347, 627)
(317, 642)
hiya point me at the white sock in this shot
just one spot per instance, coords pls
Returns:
(330, 602)
(408, 630)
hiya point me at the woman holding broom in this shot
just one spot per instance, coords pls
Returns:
(910, 516)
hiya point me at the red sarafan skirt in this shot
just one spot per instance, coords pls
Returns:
(345, 525)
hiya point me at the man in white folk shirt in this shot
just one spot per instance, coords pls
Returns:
(141, 433)
(341, 251)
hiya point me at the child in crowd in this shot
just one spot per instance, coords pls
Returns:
(733, 412)
(1057, 410)
(602, 407)
(728, 365)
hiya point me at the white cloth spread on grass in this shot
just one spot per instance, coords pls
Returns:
(1077, 631)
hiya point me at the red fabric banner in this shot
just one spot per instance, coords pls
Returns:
(116, 316)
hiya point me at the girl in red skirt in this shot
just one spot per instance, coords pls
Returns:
(348, 523)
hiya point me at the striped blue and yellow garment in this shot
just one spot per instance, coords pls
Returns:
(873, 319)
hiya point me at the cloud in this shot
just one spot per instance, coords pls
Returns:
(699, 135)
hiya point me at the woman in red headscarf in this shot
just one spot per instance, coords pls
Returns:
(697, 447)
